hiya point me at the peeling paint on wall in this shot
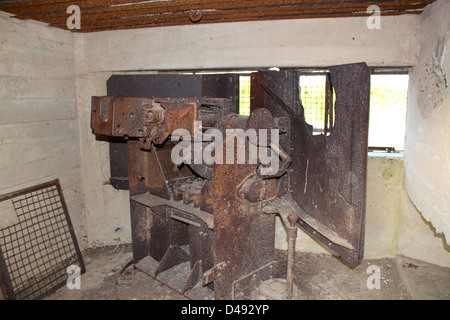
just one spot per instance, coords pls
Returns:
(433, 84)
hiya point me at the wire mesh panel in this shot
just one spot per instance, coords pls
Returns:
(312, 95)
(38, 244)
(244, 95)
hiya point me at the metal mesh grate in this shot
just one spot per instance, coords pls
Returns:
(312, 95)
(244, 95)
(37, 248)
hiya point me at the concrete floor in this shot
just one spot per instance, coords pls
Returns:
(318, 277)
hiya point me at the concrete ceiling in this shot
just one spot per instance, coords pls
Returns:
(99, 15)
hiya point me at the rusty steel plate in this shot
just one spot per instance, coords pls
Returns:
(327, 179)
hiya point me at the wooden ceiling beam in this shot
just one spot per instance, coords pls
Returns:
(218, 16)
(54, 6)
(120, 14)
(307, 8)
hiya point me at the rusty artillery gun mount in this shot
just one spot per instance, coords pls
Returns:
(224, 213)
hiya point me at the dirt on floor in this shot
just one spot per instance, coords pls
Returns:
(110, 275)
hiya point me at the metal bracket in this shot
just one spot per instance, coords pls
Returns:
(213, 273)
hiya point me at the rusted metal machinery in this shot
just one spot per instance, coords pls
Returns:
(225, 210)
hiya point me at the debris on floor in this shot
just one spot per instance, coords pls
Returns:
(110, 275)
(275, 289)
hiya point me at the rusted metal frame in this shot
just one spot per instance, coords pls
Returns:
(150, 231)
(70, 226)
(238, 217)
(151, 200)
(172, 257)
(292, 237)
(194, 276)
(147, 86)
(6, 284)
(153, 119)
(140, 236)
(248, 231)
(124, 116)
(177, 227)
(200, 241)
(6, 287)
(166, 247)
(151, 235)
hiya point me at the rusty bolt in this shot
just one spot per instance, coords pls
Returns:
(195, 15)
(154, 116)
(292, 218)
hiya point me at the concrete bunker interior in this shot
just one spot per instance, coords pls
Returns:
(406, 198)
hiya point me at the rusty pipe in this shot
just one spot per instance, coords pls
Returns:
(292, 229)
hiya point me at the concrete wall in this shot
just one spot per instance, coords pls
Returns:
(286, 43)
(427, 148)
(38, 116)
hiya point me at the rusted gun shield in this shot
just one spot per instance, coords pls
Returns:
(327, 178)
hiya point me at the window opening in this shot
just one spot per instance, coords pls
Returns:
(388, 100)
(244, 95)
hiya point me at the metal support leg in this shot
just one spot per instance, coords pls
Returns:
(292, 218)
